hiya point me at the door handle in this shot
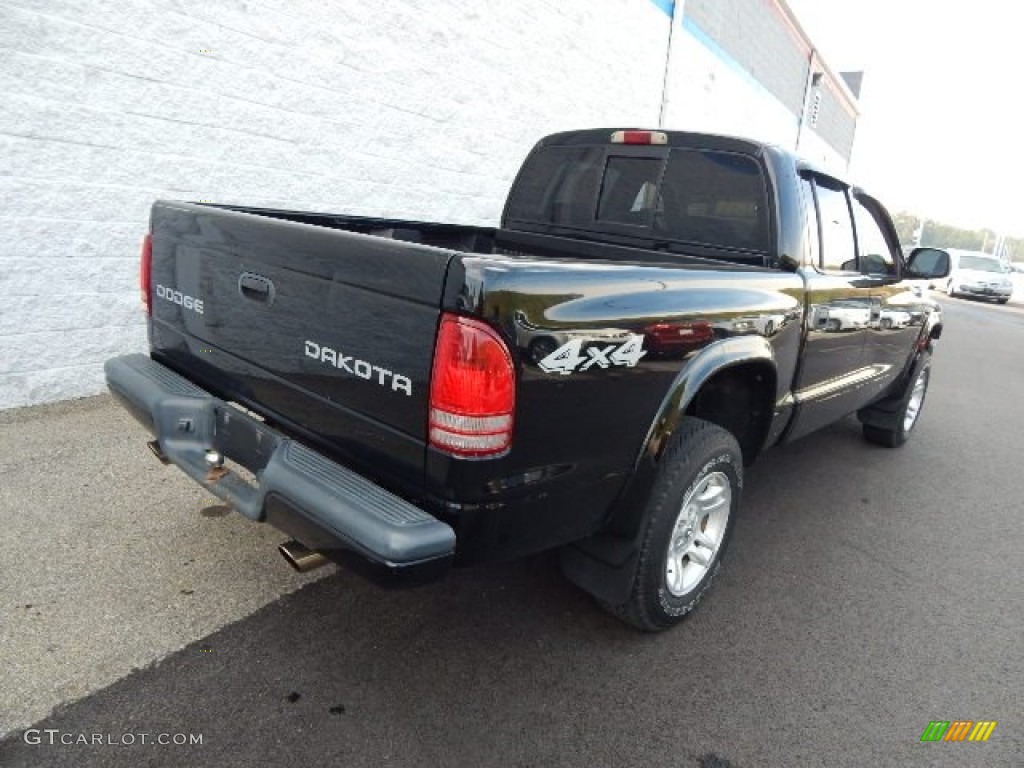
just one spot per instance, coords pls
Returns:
(256, 288)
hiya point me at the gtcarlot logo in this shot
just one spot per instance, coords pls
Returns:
(958, 730)
(55, 737)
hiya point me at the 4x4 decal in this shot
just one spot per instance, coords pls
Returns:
(569, 357)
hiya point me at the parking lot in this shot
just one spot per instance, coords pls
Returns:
(866, 593)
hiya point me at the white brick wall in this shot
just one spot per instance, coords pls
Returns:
(419, 109)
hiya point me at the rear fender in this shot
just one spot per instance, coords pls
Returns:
(714, 359)
(604, 564)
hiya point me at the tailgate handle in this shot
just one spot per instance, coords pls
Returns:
(256, 288)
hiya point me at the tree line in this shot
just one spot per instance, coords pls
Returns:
(941, 235)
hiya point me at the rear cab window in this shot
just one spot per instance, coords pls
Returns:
(558, 186)
(629, 190)
(708, 202)
(714, 198)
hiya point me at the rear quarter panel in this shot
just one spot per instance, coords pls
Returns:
(579, 435)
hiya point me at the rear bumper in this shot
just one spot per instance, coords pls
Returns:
(327, 507)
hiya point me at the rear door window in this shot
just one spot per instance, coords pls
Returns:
(838, 249)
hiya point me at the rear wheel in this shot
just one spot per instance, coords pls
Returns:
(907, 414)
(689, 521)
(949, 290)
(1002, 301)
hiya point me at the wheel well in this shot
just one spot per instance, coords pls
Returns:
(740, 400)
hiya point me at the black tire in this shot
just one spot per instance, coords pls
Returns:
(699, 451)
(1001, 301)
(897, 434)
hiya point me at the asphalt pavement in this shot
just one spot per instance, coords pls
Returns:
(866, 593)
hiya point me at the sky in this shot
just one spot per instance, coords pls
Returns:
(942, 109)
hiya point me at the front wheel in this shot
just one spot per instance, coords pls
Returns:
(690, 517)
(1001, 301)
(949, 290)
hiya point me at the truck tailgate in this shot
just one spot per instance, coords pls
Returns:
(316, 326)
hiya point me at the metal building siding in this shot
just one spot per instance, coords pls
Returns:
(836, 123)
(757, 36)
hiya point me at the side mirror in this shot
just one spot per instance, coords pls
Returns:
(928, 263)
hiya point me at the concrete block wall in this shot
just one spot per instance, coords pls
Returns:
(420, 109)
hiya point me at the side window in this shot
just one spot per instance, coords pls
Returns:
(876, 257)
(714, 198)
(838, 252)
(813, 238)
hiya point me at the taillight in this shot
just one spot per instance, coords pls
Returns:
(146, 272)
(472, 390)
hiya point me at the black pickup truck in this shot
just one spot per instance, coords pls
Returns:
(655, 310)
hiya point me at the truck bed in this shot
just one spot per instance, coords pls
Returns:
(508, 242)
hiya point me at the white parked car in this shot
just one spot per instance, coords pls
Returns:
(841, 315)
(979, 274)
(768, 324)
(894, 318)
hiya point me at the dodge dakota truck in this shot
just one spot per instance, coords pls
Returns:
(655, 309)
